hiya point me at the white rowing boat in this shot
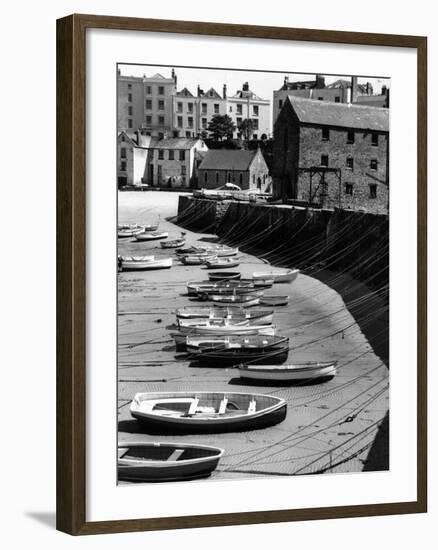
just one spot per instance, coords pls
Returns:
(287, 276)
(288, 373)
(219, 263)
(151, 235)
(139, 263)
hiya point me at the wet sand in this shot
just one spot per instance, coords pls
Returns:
(330, 426)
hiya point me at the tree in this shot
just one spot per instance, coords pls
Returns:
(221, 126)
(247, 127)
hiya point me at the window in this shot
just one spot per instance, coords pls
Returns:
(216, 108)
(179, 107)
(123, 166)
(255, 110)
(161, 120)
(255, 124)
(350, 163)
(183, 170)
(217, 178)
(337, 99)
(373, 164)
(374, 139)
(171, 154)
(182, 155)
(373, 191)
(161, 105)
(160, 90)
(239, 120)
(324, 160)
(160, 154)
(130, 123)
(180, 121)
(320, 98)
(204, 123)
(325, 134)
(149, 120)
(350, 136)
(149, 104)
(348, 188)
(188, 134)
(123, 153)
(190, 122)
(159, 172)
(239, 109)
(190, 107)
(122, 138)
(204, 108)
(129, 97)
(148, 90)
(240, 179)
(280, 103)
(129, 86)
(205, 178)
(130, 110)
(228, 177)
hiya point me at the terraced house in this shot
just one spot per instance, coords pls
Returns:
(332, 155)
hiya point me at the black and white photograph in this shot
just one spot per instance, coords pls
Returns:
(253, 273)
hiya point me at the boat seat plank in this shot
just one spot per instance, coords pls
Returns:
(175, 455)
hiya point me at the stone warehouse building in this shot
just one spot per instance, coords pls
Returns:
(154, 105)
(332, 155)
(247, 169)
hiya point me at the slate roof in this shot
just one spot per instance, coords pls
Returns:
(176, 143)
(227, 159)
(185, 92)
(347, 115)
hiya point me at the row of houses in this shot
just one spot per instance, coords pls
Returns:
(155, 105)
(186, 163)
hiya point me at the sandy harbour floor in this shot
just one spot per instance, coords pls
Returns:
(329, 426)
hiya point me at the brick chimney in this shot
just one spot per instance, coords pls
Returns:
(224, 91)
(320, 81)
(174, 76)
(199, 91)
(354, 89)
(245, 87)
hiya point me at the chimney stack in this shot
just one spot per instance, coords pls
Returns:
(245, 86)
(320, 81)
(224, 91)
(174, 76)
(354, 89)
(286, 81)
(199, 91)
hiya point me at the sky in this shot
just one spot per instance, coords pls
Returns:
(261, 83)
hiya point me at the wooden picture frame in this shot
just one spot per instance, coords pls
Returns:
(71, 272)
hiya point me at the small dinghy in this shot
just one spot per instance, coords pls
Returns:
(129, 230)
(151, 235)
(191, 250)
(194, 288)
(220, 328)
(260, 283)
(274, 300)
(194, 260)
(289, 373)
(207, 411)
(244, 300)
(234, 350)
(287, 276)
(177, 243)
(224, 276)
(154, 462)
(205, 294)
(219, 263)
(141, 263)
(191, 316)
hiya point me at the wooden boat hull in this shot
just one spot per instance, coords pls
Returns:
(279, 277)
(161, 462)
(146, 266)
(224, 276)
(274, 300)
(207, 412)
(172, 244)
(242, 300)
(151, 236)
(227, 358)
(288, 373)
(123, 234)
(261, 319)
(181, 336)
(221, 265)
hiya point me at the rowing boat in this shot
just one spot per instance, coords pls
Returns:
(153, 461)
(254, 317)
(219, 263)
(141, 263)
(289, 373)
(129, 230)
(274, 300)
(220, 329)
(206, 286)
(207, 411)
(244, 300)
(287, 276)
(224, 276)
(177, 243)
(233, 350)
(151, 235)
